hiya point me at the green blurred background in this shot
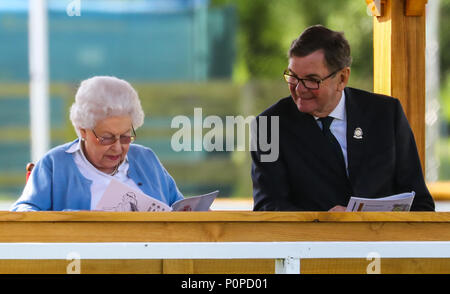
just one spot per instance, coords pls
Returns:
(225, 56)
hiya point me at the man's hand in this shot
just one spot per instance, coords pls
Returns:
(338, 208)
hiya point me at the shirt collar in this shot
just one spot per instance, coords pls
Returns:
(339, 111)
(76, 147)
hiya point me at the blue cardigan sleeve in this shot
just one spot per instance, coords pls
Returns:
(37, 192)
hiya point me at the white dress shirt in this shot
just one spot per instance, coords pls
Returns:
(100, 180)
(338, 126)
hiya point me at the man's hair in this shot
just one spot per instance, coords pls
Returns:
(334, 45)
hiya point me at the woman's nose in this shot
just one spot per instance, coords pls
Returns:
(117, 146)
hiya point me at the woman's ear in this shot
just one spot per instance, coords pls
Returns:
(83, 134)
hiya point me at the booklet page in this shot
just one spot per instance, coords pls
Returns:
(195, 203)
(121, 197)
(398, 202)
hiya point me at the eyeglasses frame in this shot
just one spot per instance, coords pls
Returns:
(319, 81)
(100, 139)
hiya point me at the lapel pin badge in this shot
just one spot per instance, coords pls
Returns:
(358, 134)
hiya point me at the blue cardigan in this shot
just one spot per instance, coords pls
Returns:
(59, 185)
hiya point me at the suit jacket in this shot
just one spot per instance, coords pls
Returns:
(308, 176)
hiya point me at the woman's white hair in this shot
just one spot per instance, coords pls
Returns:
(101, 97)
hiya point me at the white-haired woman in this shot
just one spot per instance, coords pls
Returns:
(73, 176)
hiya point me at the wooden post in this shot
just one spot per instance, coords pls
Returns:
(399, 58)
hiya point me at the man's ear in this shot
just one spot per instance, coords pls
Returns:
(344, 76)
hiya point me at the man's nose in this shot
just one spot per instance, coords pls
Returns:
(299, 88)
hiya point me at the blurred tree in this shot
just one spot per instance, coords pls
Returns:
(266, 29)
(444, 44)
(444, 38)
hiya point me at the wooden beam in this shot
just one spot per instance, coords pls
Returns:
(222, 226)
(234, 226)
(399, 61)
(69, 217)
(233, 266)
(376, 7)
(415, 7)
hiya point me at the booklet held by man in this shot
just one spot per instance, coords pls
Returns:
(121, 197)
(398, 202)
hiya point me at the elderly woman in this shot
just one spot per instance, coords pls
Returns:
(74, 176)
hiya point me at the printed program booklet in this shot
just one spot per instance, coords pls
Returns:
(121, 197)
(398, 202)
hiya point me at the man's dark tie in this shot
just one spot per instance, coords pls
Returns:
(326, 122)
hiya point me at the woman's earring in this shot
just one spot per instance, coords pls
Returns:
(83, 139)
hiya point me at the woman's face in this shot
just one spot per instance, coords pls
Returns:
(107, 157)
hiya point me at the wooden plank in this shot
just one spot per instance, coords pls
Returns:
(222, 231)
(221, 216)
(229, 226)
(387, 266)
(415, 7)
(87, 266)
(399, 63)
(238, 266)
(382, 56)
(178, 266)
(439, 190)
(376, 7)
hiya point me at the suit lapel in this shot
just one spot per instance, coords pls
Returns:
(310, 136)
(356, 125)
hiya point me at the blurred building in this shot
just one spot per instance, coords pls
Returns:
(161, 46)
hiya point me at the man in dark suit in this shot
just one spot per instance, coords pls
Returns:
(334, 141)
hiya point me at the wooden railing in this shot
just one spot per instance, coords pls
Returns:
(422, 229)
(440, 190)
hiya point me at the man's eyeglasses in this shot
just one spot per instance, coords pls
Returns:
(311, 84)
(111, 140)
